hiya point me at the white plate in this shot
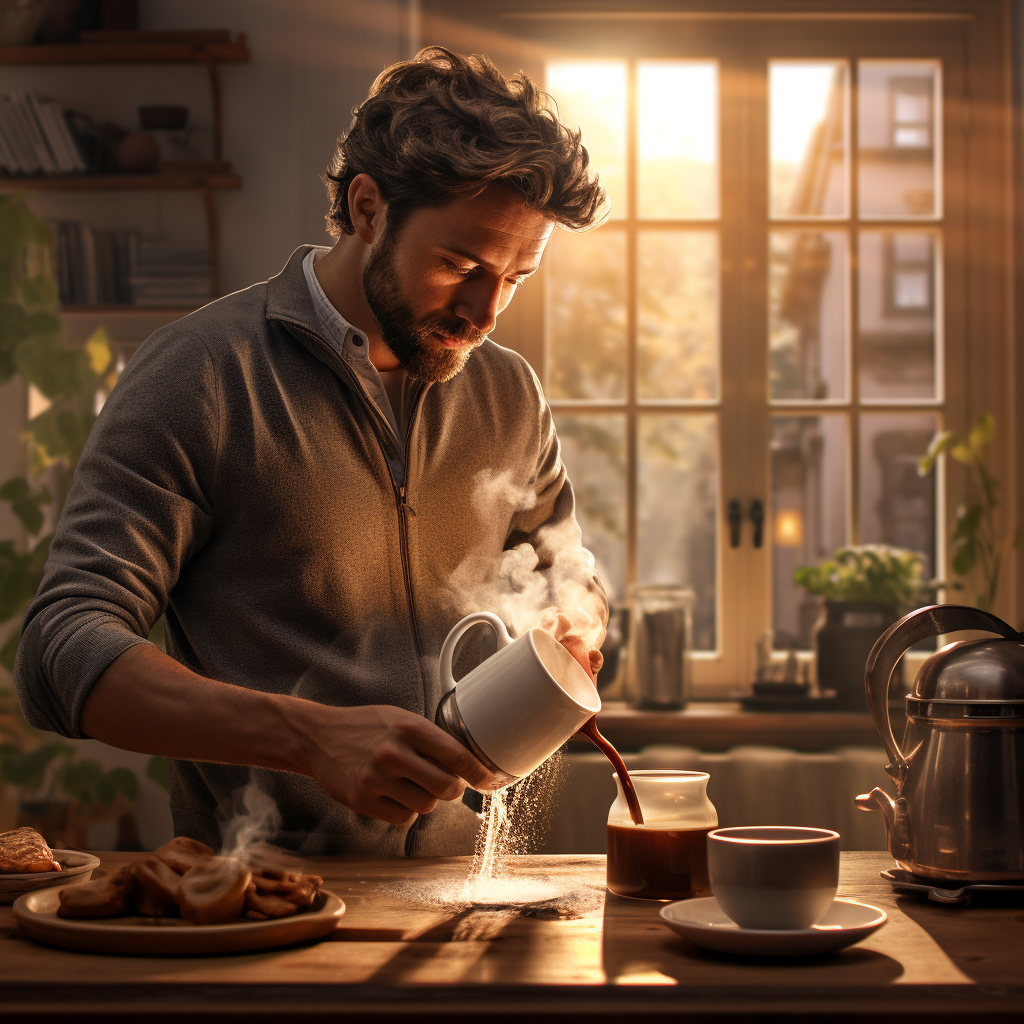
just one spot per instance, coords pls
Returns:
(705, 923)
(77, 867)
(36, 913)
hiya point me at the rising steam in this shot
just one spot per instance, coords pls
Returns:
(548, 585)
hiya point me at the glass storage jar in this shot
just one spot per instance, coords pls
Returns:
(666, 857)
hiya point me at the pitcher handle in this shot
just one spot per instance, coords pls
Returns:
(460, 627)
(900, 637)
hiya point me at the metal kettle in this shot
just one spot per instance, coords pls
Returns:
(959, 775)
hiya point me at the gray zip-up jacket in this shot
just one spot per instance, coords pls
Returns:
(235, 482)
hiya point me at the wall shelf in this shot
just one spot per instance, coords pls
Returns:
(234, 51)
(114, 182)
(205, 47)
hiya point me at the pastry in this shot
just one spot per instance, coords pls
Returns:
(24, 850)
(214, 892)
(182, 853)
(102, 897)
(156, 889)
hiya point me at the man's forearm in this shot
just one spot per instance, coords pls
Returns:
(148, 702)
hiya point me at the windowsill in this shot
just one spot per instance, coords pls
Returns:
(721, 725)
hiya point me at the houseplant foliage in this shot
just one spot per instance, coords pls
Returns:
(976, 542)
(70, 378)
(868, 572)
(864, 588)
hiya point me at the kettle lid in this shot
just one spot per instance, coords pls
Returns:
(989, 670)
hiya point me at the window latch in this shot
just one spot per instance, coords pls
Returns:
(735, 517)
(757, 518)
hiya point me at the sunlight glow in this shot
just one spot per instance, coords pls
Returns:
(679, 111)
(591, 95)
(799, 98)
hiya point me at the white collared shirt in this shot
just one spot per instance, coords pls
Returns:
(352, 346)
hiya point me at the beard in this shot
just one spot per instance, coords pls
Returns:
(410, 339)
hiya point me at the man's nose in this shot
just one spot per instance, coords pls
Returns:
(480, 303)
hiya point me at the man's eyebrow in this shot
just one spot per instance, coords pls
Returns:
(466, 255)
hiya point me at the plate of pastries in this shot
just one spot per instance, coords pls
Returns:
(184, 899)
(27, 863)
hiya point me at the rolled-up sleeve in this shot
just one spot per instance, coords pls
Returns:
(140, 506)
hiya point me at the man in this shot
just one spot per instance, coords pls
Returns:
(293, 476)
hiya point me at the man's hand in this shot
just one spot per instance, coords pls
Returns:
(383, 762)
(579, 634)
(388, 763)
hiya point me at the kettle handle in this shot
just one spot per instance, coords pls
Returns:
(893, 644)
(460, 627)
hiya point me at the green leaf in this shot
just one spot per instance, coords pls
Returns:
(939, 443)
(967, 520)
(964, 557)
(982, 432)
(159, 770)
(124, 781)
(25, 503)
(98, 350)
(78, 778)
(29, 769)
(963, 453)
(40, 290)
(106, 791)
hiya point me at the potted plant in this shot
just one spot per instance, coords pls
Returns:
(46, 783)
(977, 543)
(864, 590)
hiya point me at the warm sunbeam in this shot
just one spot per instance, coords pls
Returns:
(799, 99)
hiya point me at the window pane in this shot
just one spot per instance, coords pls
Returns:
(586, 315)
(899, 313)
(809, 514)
(678, 139)
(897, 506)
(677, 290)
(899, 138)
(591, 95)
(808, 317)
(677, 506)
(594, 453)
(808, 138)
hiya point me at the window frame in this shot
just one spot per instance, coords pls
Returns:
(974, 279)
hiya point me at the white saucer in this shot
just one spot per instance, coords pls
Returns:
(705, 923)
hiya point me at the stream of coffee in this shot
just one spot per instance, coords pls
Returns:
(590, 730)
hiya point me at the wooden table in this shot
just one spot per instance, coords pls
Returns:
(397, 955)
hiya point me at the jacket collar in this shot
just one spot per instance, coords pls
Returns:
(288, 295)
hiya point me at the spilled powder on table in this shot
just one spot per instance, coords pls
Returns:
(497, 887)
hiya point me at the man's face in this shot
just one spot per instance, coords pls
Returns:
(437, 285)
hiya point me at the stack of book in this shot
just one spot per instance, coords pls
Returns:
(38, 136)
(98, 267)
(169, 275)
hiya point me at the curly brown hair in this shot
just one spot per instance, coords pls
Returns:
(443, 126)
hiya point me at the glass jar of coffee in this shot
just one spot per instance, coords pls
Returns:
(666, 857)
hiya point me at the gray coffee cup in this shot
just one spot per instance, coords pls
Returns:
(774, 877)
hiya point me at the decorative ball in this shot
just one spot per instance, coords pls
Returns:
(138, 151)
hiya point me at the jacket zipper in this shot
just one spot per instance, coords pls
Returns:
(402, 507)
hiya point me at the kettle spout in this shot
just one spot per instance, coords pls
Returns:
(879, 800)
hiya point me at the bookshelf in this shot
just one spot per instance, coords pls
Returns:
(209, 49)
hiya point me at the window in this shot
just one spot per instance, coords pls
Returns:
(776, 310)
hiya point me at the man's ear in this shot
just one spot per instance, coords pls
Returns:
(366, 207)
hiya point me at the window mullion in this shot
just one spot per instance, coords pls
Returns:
(853, 264)
(632, 432)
